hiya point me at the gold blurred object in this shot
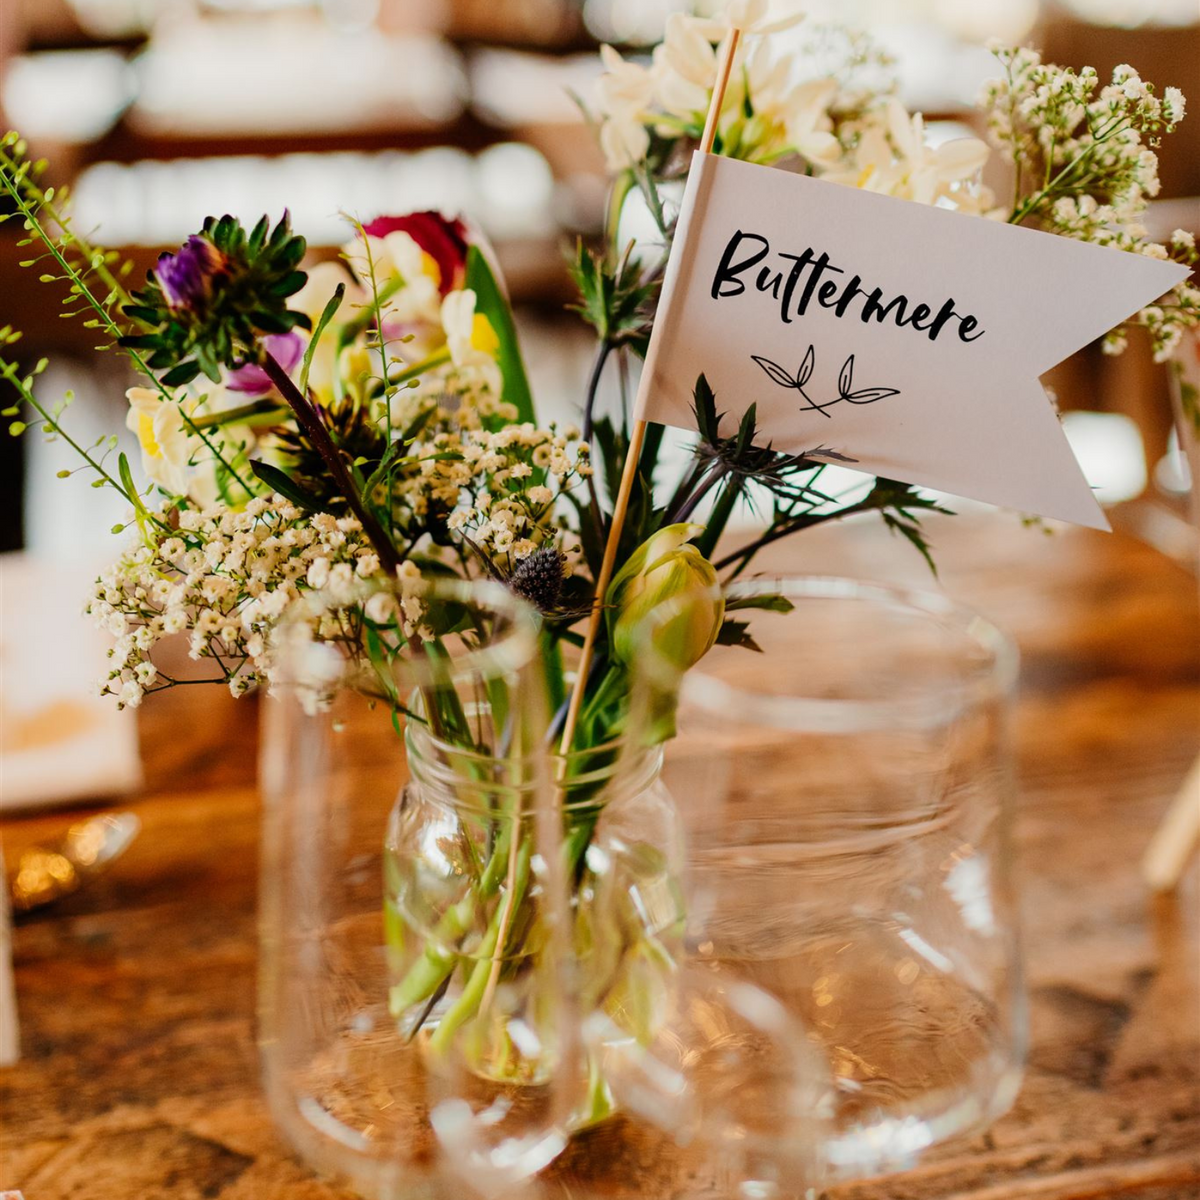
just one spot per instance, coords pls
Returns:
(45, 874)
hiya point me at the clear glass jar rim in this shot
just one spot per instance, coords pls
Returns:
(845, 715)
(512, 651)
(630, 770)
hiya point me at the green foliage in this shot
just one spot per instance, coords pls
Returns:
(67, 257)
(89, 276)
(737, 633)
(775, 604)
(281, 482)
(900, 505)
(491, 302)
(1189, 397)
(218, 320)
(327, 315)
(617, 303)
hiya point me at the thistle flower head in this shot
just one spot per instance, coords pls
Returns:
(538, 578)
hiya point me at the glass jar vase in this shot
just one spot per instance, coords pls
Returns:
(414, 919)
(443, 902)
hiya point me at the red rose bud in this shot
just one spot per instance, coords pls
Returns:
(444, 239)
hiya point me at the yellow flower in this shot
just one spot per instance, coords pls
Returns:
(164, 435)
(470, 339)
(483, 336)
(469, 334)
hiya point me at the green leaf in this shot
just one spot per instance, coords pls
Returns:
(142, 341)
(912, 531)
(185, 372)
(327, 314)
(259, 236)
(269, 322)
(616, 303)
(737, 633)
(490, 301)
(285, 485)
(389, 460)
(775, 603)
(708, 421)
(131, 492)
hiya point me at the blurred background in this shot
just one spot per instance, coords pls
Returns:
(159, 112)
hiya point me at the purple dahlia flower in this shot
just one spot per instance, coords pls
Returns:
(186, 276)
(285, 348)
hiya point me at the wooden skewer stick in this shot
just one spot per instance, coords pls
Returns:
(1177, 839)
(9, 1037)
(620, 508)
(636, 440)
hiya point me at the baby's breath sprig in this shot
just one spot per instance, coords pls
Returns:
(1085, 167)
(223, 578)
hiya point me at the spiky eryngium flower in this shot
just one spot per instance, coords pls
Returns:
(539, 577)
(353, 432)
(210, 302)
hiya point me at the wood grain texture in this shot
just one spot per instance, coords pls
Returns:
(137, 996)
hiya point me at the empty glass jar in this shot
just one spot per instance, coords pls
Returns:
(847, 794)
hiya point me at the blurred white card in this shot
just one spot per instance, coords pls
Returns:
(58, 742)
(904, 336)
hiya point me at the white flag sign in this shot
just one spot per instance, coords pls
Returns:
(906, 337)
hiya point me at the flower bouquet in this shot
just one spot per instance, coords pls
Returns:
(336, 448)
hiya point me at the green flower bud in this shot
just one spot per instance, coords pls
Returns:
(665, 570)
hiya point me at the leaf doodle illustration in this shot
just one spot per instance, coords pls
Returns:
(806, 367)
(783, 378)
(777, 373)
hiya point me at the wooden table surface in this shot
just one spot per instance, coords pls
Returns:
(139, 1077)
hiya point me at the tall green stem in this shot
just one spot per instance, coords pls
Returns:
(314, 427)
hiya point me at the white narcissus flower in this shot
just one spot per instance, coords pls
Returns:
(753, 17)
(893, 158)
(872, 163)
(469, 335)
(624, 85)
(397, 257)
(768, 79)
(311, 299)
(925, 169)
(353, 367)
(808, 124)
(624, 140)
(685, 66)
(624, 95)
(318, 290)
(166, 440)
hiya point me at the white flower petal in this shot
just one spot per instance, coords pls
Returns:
(961, 158)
